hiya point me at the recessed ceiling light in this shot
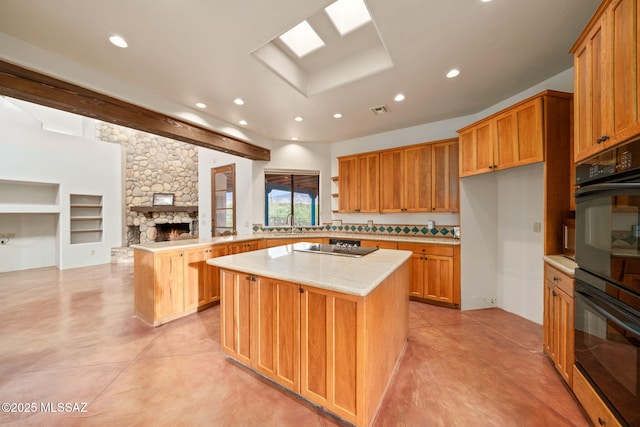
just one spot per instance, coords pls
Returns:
(302, 39)
(201, 105)
(399, 97)
(238, 101)
(337, 115)
(453, 73)
(348, 15)
(243, 122)
(298, 119)
(294, 138)
(118, 41)
(485, 1)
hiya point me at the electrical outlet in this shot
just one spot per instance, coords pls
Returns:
(537, 227)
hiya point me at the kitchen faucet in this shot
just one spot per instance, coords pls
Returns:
(293, 230)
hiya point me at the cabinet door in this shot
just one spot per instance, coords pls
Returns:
(348, 184)
(169, 284)
(590, 106)
(549, 320)
(368, 183)
(621, 27)
(211, 284)
(417, 184)
(519, 136)
(331, 352)
(564, 314)
(444, 196)
(235, 312)
(416, 279)
(391, 180)
(476, 149)
(196, 278)
(278, 331)
(438, 278)
(380, 244)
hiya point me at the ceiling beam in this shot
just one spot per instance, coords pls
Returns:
(21, 83)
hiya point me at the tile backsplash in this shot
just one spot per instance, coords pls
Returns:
(375, 229)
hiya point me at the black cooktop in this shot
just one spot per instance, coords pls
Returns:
(342, 250)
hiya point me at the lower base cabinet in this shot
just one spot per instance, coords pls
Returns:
(435, 272)
(558, 321)
(595, 408)
(318, 343)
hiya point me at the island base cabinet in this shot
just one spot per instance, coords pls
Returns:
(236, 314)
(334, 349)
(330, 356)
(277, 332)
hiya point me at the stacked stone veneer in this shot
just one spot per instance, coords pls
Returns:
(154, 164)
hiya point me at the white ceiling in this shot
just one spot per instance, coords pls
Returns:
(188, 51)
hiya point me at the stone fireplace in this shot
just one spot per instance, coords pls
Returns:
(166, 232)
(155, 164)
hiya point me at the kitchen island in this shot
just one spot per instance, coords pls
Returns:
(329, 328)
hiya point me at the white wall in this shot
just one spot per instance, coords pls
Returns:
(501, 258)
(78, 165)
(209, 159)
(300, 156)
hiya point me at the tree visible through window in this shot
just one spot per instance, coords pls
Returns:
(291, 199)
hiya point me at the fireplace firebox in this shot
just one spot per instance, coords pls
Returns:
(177, 231)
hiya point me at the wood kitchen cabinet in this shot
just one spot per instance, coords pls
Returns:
(593, 405)
(202, 277)
(358, 186)
(277, 331)
(559, 321)
(444, 182)
(510, 138)
(171, 284)
(380, 244)
(435, 272)
(246, 246)
(317, 342)
(607, 79)
(236, 315)
(405, 179)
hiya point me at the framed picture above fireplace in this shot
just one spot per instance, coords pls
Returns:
(162, 199)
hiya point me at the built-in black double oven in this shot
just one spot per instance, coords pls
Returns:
(607, 282)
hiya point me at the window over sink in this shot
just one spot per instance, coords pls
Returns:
(292, 198)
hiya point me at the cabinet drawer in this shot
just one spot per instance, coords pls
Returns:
(560, 279)
(417, 248)
(380, 244)
(591, 402)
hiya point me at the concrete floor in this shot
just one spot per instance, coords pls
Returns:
(70, 337)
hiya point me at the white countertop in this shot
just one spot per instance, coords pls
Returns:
(208, 241)
(562, 263)
(356, 276)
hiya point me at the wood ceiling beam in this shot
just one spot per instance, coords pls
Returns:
(21, 83)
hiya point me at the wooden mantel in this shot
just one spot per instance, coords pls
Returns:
(148, 210)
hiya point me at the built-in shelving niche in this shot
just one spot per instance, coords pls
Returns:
(85, 218)
(24, 197)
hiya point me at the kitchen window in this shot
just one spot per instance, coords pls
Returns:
(292, 198)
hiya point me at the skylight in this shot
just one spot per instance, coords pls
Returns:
(348, 15)
(302, 39)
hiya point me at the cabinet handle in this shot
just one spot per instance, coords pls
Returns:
(602, 422)
(555, 279)
(602, 139)
(554, 293)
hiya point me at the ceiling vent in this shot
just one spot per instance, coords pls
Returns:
(380, 109)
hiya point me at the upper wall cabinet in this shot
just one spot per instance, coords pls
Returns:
(416, 178)
(358, 184)
(510, 138)
(607, 79)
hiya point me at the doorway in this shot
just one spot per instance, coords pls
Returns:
(223, 201)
